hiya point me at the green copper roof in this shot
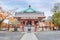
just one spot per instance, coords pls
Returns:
(29, 9)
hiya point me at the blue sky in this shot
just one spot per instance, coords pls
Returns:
(40, 5)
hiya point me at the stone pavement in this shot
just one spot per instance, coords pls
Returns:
(48, 35)
(29, 36)
(42, 35)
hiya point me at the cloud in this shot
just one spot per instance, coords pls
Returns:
(41, 5)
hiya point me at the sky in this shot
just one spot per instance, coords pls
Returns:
(39, 5)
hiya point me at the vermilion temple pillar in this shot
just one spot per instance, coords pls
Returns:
(22, 27)
(33, 23)
(35, 28)
(43, 26)
(38, 24)
(25, 23)
(18, 24)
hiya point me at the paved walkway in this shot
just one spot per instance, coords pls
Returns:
(29, 36)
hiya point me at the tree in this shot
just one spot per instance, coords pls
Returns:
(56, 14)
(2, 17)
(4, 24)
(56, 19)
(13, 22)
(5, 17)
(56, 7)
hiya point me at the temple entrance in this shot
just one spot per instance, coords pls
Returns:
(29, 25)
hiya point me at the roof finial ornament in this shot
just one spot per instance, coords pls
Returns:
(29, 6)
